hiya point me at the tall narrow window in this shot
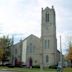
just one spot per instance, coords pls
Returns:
(47, 59)
(46, 44)
(30, 47)
(47, 17)
(34, 48)
(15, 50)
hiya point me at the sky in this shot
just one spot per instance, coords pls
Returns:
(23, 17)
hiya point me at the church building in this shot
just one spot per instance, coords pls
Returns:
(41, 50)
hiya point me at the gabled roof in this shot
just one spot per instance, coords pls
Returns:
(30, 36)
(27, 38)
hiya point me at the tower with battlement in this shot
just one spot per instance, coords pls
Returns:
(48, 36)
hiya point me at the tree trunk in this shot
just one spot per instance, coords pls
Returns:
(71, 63)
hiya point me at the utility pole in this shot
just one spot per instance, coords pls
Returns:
(61, 56)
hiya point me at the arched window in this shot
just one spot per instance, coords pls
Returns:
(47, 59)
(28, 49)
(46, 44)
(31, 47)
(47, 17)
(15, 50)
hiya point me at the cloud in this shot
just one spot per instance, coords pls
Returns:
(24, 16)
(23, 13)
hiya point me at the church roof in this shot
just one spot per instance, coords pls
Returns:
(30, 36)
(27, 38)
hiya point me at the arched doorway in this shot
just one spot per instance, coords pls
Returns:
(30, 62)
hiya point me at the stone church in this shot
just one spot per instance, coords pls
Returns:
(41, 50)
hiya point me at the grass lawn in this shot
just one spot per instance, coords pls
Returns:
(17, 69)
(67, 69)
(34, 69)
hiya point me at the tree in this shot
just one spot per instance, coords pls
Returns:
(69, 55)
(1, 53)
(5, 45)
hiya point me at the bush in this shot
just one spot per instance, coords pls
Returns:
(53, 67)
(36, 66)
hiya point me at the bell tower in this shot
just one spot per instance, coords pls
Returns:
(48, 36)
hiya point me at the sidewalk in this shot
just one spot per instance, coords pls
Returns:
(6, 70)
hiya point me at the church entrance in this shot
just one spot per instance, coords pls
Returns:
(30, 62)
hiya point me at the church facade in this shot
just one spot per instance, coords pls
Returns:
(41, 50)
